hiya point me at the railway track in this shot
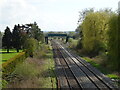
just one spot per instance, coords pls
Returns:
(75, 73)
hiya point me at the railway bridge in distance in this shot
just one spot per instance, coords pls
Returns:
(57, 35)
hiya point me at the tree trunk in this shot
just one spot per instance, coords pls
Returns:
(17, 50)
(7, 50)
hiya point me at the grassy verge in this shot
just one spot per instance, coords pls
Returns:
(36, 72)
(113, 75)
(93, 63)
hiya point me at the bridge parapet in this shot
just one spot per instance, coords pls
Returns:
(56, 35)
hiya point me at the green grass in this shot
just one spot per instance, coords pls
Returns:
(93, 63)
(113, 76)
(6, 56)
(102, 69)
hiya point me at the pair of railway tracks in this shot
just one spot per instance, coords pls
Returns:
(75, 73)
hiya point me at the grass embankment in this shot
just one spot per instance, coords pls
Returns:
(36, 72)
(6, 56)
(100, 62)
(106, 70)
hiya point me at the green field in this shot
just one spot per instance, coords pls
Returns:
(4, 56)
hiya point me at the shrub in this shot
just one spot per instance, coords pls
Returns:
(26, 70)
(30, 46)
(72, 43)
(4, 83)
(41, 51)
(79, 45)
(10, 65)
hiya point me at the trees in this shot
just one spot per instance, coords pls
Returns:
(0, 40)
(79, 35)
(114, 41)
(30, 46)
(34, 31)
(100, 33)
(21, 34)
(7, 39)
(16, 38)
(79, 29)
(83, 14)
(93, 30)
(118, 46)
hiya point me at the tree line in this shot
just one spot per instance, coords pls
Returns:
(21, 35)
(99, 34)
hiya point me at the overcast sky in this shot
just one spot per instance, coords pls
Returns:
(51, 15)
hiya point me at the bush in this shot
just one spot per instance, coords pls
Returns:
(26, 70)
(79, 45)
(72, 43)
(9, 66)
(4, 83)
(30, 46)
(41, 51)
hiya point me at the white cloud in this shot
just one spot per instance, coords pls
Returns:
(21, 11)
(49, 14)
(17, 11)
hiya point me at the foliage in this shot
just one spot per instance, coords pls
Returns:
(113, 76)
(20, 34)
(36, 72)
(10, 65)
(79, 36)
(79, 44)
(113, 42)
(72, 43)
(118, 43)
(99, 34)
(79, 29)
(4, 83)
(33, 31)
(26, 70)
(0, 39)
(41, 50)
(94, 29)
(47, 71)
(16, 38)
(30, 46)
(84, 13)
(7, 39)
(79, 33)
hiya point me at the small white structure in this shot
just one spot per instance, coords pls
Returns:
(119, 7)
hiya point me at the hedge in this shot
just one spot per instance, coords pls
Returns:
(9, 66)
